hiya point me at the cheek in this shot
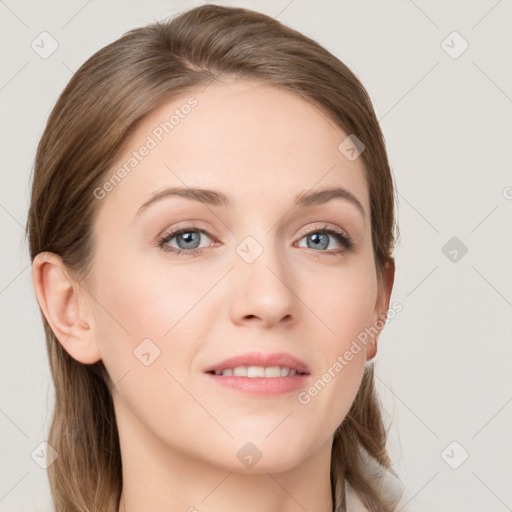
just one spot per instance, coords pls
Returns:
(344, 302)
(145, 313)
(139, 300)
(146, 340)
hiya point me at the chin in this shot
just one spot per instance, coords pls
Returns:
(277, 453)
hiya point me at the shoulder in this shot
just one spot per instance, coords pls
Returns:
(384, 482)
(354, 504)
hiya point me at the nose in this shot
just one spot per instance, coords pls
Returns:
(264, 290)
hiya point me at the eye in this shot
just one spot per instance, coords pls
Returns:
(187, 239)
(320, 239)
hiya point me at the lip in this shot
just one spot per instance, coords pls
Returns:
(261, 386)
(259, 359)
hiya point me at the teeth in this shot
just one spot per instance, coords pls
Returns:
(273, 371)
(240, 371)
(257, 371)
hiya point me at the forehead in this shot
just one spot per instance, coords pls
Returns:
(249, 138)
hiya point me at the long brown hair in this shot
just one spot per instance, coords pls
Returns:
(86, 132)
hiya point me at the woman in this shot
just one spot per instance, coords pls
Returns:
(211, 229)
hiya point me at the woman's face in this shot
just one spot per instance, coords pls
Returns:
(257, 274)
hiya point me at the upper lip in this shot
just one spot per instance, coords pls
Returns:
(281, 359)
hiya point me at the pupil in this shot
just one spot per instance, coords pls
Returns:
(317, 242)
(189, 238)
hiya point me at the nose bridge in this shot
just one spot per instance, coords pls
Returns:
(261, 245)
(262, 258)
(265, 280)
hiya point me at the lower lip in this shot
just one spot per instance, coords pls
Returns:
(262, 386)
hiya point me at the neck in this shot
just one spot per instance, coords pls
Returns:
(158, 477)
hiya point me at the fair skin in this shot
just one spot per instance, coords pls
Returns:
(179, 432)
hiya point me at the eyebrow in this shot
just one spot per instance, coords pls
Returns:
(216, 198)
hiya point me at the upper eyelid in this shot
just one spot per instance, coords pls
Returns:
(179, 229)
(173, 232)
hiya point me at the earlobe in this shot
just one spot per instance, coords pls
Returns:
(381, 306)
(59, 299)
(371, 350)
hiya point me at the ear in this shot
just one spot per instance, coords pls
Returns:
(380, 313)
(60, 298)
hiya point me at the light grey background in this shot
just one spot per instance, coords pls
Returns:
(444, 362)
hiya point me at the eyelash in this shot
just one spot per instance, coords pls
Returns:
(344, 239)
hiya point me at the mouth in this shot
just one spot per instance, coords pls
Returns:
(258, 364)
(260, 374)
(269, 372)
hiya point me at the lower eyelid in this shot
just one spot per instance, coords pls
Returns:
(166, 238)
(341, 237)
(344, 240)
